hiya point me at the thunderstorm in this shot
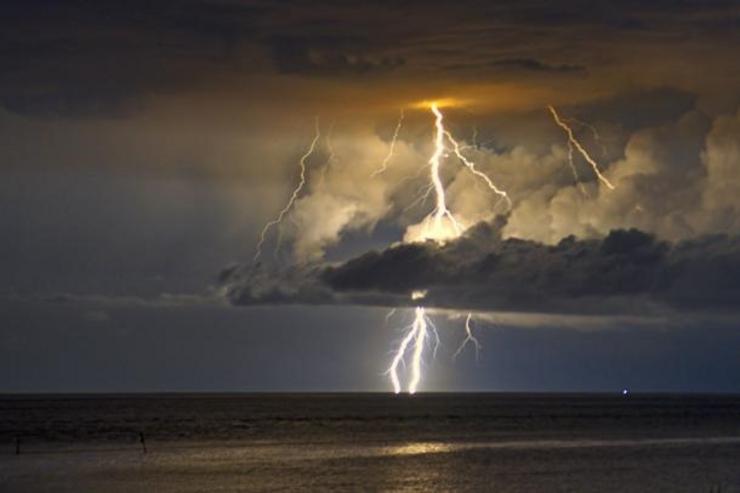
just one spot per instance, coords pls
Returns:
(440, 225)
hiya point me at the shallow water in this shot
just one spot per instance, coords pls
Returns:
(345, 442)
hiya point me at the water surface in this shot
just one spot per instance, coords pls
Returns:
(340, 442)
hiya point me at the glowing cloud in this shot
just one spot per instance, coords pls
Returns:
(293, 196)
(441, 225)
(391, 147)
(574, 143)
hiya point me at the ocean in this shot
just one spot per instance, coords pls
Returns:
(370, 442)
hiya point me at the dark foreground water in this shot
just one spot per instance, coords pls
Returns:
(372, 442)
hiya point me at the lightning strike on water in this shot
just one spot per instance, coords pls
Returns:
(391, 147)
(421, 334)
(293, 197)
(417, 334)
(398, 358)
(574, 143)
(440, 225)
(469, 338)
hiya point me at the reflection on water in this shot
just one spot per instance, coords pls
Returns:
(417, 448)
(415, 466)
(421, 448)
(456, 442)
(655, 464)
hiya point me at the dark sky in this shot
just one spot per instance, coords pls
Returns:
(145, 145)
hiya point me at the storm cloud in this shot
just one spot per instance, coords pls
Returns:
(666, 239)
(107, 59)
(146, 144)
(627, 271)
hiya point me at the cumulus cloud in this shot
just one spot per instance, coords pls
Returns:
(670, 221)
(721, 158)
(676, 180)
(342, 195)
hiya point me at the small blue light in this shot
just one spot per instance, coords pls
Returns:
(625, 392)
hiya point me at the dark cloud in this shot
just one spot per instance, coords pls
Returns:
(79, 58)
(639, 109)
(73, 101)
(537, 65)
(327, 55)
(626, 271)
(513, 68)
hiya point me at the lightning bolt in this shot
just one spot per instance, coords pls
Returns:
(469, 338)
(398, 359)
(421, 333)
(592, 129)
(293, 197)
(416, 334)
(434, 226)
(471, 167)
(440, 211)
(441, 225)
(574, 143)
(571, 162)
(331, 158)
(574, 170)
(391, 147)
(423, 195)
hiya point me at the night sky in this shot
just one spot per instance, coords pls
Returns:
(145, 145)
